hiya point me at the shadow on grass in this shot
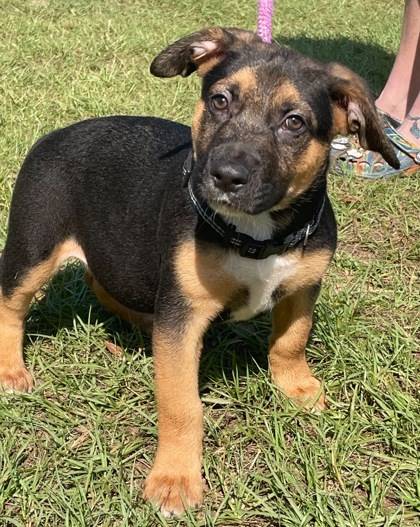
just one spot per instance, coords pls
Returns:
(370, 61)
(230, 350)
(67, 299)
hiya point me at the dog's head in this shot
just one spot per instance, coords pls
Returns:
(263, 126)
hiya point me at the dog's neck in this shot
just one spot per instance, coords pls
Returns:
(260, 226)
(281, 222)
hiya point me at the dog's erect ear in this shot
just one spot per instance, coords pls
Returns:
(200, 51)
(355, 112)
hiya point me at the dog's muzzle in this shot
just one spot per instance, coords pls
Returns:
(231, 165)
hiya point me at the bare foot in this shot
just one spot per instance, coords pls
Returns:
(173, 492)
(16, 380)
(410, 129)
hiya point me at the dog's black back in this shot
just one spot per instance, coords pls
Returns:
(115, 184)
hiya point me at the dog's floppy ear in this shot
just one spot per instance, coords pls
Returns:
(199, 51)
(355, 112)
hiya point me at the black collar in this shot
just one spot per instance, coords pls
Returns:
(227, 234)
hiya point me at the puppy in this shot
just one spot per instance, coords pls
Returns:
(174, 233)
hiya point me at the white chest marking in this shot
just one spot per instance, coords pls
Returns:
(261, 278)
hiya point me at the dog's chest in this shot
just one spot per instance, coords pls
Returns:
(261, 278)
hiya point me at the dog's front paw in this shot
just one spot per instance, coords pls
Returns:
(173, 492)
(15, 380)
(306, 392)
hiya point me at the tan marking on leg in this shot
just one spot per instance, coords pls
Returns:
(175, 480)
(13, 309)
(292, 321)
(142, 320)
(13, 374)
(310, 268)
(201, 276)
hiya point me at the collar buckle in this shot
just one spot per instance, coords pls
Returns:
(307, 233)
(253, 249)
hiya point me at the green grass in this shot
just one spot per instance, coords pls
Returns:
(76, 451)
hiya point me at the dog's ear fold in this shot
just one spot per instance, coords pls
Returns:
(354, 112)
(200, 51)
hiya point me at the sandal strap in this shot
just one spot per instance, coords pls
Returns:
(402, 144)
(388, 118)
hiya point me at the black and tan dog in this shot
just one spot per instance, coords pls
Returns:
(243, 224)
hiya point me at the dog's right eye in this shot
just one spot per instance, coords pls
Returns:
(293, 123)
(220, 101)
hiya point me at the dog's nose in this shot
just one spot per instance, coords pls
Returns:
(229, 177)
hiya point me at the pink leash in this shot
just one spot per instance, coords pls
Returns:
(265, 15)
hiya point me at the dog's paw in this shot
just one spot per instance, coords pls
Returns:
(15, 380)
(306, 392)
(173, 492)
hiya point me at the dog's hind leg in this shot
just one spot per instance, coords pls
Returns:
(144, 321)
(24, 270)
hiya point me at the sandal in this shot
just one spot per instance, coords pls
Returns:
(341, 143)
(371, 165)
(388, 119)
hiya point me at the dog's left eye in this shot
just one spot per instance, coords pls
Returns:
(293, 123)
(220, 101)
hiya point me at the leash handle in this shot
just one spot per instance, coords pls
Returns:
(265, 16)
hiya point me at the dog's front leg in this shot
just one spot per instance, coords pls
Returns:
(292, 322)
(175, 480)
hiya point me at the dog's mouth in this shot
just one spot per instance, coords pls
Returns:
(249, 201)
(224, 206)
